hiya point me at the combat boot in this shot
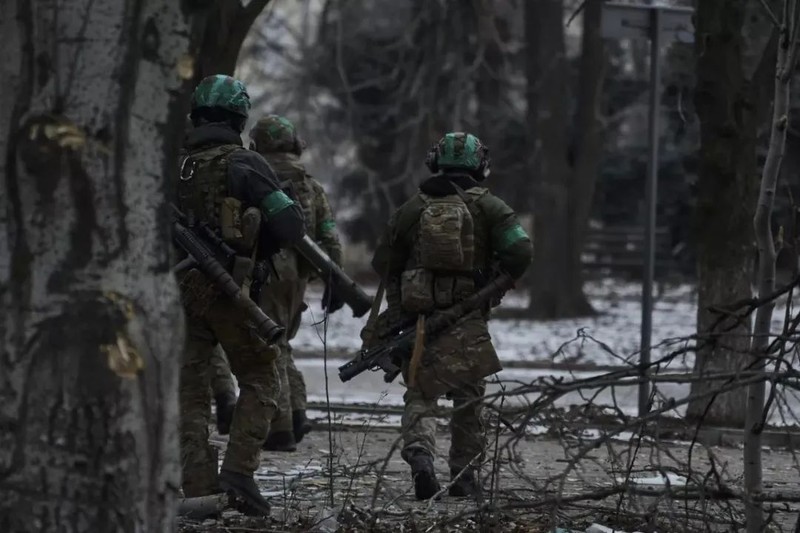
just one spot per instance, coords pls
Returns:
(424, 476)
(467, 484)
(244, 493)
(226, 402)
(300, 424)
(280, 441)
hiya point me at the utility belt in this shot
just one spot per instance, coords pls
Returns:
(423, 290)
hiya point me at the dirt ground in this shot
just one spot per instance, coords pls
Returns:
(353, 479)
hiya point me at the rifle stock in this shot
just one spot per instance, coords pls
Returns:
(387, 356)
(330, 272)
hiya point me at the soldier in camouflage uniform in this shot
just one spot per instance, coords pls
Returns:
(235, 192)
(223, 388)
(438, 248)
(276, 139)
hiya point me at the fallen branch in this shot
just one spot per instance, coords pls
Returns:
(203, 506)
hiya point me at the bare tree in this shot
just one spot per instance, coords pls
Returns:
(755, 417)
(490, 92)
(223, 29)
(91, 324)
(565, 172)
(732, 70)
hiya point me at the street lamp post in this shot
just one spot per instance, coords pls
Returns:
(659, 24)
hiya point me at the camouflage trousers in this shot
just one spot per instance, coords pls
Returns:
(467, 431)
(283, 302)
(453, 365)
(253, 363)
(222, 382)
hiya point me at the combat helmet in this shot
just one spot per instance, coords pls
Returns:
(222, 92)
(275, 133)
(459, 151)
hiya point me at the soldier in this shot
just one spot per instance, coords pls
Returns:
(235, 192)
(275, 138)
(223, 389)
(438, 248)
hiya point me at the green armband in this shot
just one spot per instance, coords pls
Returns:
(327, 226)
(275, 202)
(511, 235)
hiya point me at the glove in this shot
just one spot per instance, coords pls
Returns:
(331, 301)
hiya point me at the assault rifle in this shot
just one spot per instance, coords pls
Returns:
(389, 355)
(209, 253)
(330, 272)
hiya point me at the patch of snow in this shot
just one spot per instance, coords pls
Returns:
(597, 528)
(656, 480)
(610, 338)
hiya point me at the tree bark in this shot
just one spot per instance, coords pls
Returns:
(223, 30)
(589, 144)
(756, 393)
(91, 326)
(726, 102)
(489, 85)
(563, 193)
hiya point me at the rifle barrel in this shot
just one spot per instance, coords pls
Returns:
(329, 271)
(399, 345)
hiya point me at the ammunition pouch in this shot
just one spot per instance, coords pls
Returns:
(449, 290)
(239, 230)
(422, 290)
(416, 290)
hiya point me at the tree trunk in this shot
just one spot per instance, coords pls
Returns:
(727, 188)
(589, 143)
(223, 30)
(91, 326)
(562, 195)
(786, 56)
(489, 86)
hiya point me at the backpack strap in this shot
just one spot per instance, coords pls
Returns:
(466, 198)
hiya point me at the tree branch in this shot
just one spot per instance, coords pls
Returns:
(254, 8)
(770, 13)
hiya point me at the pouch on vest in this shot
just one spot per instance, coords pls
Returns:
(416, 290)
(449, 290)
(240, 230)
(446, 240)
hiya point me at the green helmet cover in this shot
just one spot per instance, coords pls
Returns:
(223, 92)
(460, 150)
(275, 133)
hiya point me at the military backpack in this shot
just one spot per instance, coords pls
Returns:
(444, 254)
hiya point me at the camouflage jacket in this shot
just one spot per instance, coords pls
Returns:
(465, 353)
(246, 177)
(320, 223)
